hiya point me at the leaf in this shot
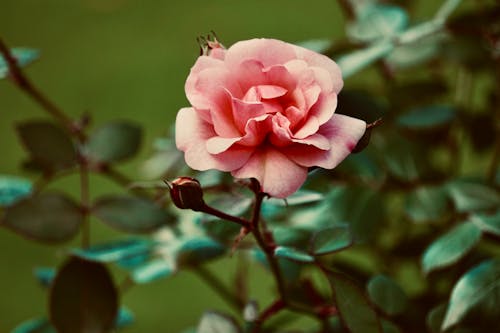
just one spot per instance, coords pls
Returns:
(152, 270)
(114, 142)
(480, 285)
(292, 254)
(451, 247)
(472, 196)
(50, 147)
(124, 318)
(198, 250)
(131, 214)
(417, 53)
(387, 295)
(301, 197)
(45, 275)
(230, 204)
(377, 21)
(389, 327)
(115, 251)
(213, 322)
(357, 60)
(12, 189)
(24, 56)
(316, 45)
(426, 203)
(83, 298)
(355, 311)
(434, 318)
(46, 217)
(292, 236)
(331, 240)
(429, 117)
(489, 223)
(38, 325)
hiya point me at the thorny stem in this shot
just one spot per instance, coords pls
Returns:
(219, 287)
(215, 212)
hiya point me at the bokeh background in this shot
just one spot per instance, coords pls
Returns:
(128, 59)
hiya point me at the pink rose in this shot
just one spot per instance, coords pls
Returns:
(265, 109)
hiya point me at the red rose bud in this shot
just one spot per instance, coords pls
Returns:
(186, 193)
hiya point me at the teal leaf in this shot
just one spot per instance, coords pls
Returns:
(472, 196)
(426, 203)
(354, 308)
(83, 298)
(377, 21)
(131, 214)
(45, 275)
(114, 142)
(387, 295)
(355, 61)
(489, 223)
(478, 286)
(301, 197)
(292, 236)
(292, 254)
(316, 45)
(213, 322)
(152, 270)
(24, 56)
(331, 240)
(124, 318)
(451, 247)
(230, 204)
(417, 53)
(13, 189)
(50, 147)
(115, 251)
(428, 117)
(38, 325)
(46, 217)
(198, 250)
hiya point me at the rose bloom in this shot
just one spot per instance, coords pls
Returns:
(264, 109)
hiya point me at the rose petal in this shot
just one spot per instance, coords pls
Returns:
(319, 60)
(278, 176)
(342, 132)
(268, 51)
(191, 134)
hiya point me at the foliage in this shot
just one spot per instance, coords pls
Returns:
(406, 199)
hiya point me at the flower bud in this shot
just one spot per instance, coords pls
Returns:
(186, 193)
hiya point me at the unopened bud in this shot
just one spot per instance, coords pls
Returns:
(186, 193)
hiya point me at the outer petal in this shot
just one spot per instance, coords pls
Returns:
(191, 134)
(278, 175)
(342, 131)
(268, 51)
(319, 60)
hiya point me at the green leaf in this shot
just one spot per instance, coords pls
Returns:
(478, 286)
(435, 317)
(389, 327)
(131, 214)
(387, 295)
(213, 322)
(124, 318)
(230, 204)
(489, 223)
(301, 197)
(45, 275)
(316, 45)
(429, 117)
(24, 56)
(83, 298)
(377, 21)
(426, 203)
(357, 60)
(49, 146)
(331, 240)
(13, 189)
(292, 236)
(355, 310)
(115, 251)
(115, 141)
(292, 254)
(472, 196)
(152, 270)
(38, 325)
(46, 217)
(451, 247)
(198, 250)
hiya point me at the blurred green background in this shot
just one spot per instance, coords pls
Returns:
(128, 59)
